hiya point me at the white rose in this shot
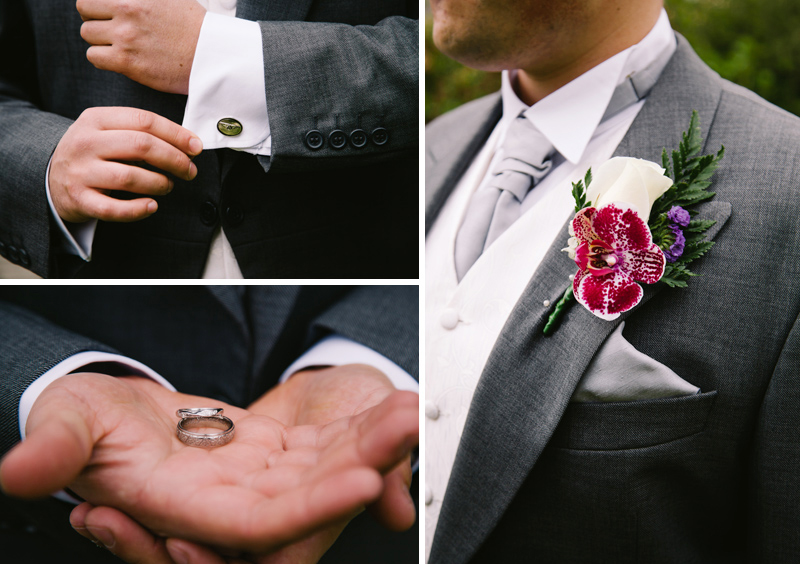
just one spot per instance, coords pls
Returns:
(624, 179)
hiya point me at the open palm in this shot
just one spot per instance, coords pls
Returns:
(113, 441)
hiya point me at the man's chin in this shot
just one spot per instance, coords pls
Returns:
(469, 51)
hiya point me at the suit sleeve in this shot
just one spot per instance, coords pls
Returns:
(28, 137)
(325, 78)
(774, 496)
(29, 347)
(384, 318)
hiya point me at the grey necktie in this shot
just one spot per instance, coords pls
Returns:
(526, 161)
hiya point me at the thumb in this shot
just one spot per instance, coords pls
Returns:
(57, 447)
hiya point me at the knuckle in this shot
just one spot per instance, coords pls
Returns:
(164, 185)
(141, 143)
(91, 56)
(125, 7)
(81, 144)
(144, 120)
(126, 33)
(125, 177)
(90, 114)
(181, 162)
(100, 209)
(71, 193)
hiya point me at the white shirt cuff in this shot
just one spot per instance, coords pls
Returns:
(336, 351)
(227, 81)
(78, 238)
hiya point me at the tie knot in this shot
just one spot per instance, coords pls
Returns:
(525, 158)
(527, 144)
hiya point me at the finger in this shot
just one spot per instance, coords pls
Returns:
(94, 204)
(310, 549)
(57, 447)
(97, 32)
(186, 552)
(382, 437)
(77, 518)
(329, 501)
(108, 57)
(119, 176)
(94, 9)
(311, 436)
(141, 120)
(395, 508)
(142, 146)
(126, 538)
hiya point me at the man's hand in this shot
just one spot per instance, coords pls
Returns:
(112, 440)
(308, 397)
(149, 41)
(86, 164)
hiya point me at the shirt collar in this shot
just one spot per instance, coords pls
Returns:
(569, 116)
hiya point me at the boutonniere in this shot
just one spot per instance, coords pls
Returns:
(634, 223)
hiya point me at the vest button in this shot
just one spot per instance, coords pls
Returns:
(234, 215)
(428, 495)
(431, 411)
(208, 213)
(449, 318)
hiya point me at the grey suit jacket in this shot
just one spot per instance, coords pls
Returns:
(706, 478)
(206, 341)
(305, 212)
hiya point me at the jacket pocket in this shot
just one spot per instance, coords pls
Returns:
(632, 424)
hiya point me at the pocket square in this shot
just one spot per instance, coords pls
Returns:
(619, 372)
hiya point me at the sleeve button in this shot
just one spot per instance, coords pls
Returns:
(337, 139)
(358, 138)
(380, 136)
(314, 140)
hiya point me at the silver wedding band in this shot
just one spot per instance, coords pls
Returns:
(194, 417)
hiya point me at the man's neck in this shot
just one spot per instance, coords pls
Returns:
(535, 83)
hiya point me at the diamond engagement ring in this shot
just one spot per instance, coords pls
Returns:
(204, 417)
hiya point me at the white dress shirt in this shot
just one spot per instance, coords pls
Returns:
(227, 80)
(463, 320)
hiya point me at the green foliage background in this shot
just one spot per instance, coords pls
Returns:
(755, 43)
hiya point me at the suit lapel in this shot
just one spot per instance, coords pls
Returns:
(261, 10)
(529, 379)
(232, 300)
(448, 156)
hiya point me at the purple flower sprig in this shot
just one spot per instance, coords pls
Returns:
(679, 219)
